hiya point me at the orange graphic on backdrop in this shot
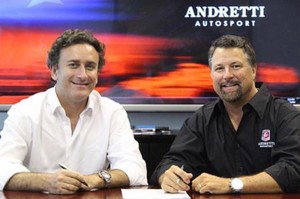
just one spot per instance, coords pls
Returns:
(23, 69)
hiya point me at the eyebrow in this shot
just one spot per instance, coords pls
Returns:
(73, 60)
(77, 61)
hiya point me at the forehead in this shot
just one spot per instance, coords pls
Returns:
(79, 51)
(223, 55)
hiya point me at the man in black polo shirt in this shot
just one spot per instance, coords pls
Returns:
(247, 141)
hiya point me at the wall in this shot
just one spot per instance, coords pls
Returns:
(173, 120)
(3, 115)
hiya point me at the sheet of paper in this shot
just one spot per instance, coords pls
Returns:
(152, 194)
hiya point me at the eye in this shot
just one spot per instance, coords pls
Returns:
(236, 66)
(73, 65)
(219, 68)
(91, 66)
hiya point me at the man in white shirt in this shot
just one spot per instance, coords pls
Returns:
(70, 124)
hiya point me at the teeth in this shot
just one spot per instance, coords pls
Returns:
(80, 84)
(228, 85)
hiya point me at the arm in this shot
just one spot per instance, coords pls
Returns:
(259, 183)
(187, 149)
(123, 152)
(61, 182)
(118, 179)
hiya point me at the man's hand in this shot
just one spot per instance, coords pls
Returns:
(207, 183)
(175, 179)
(66, 182)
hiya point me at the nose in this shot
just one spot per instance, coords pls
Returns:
(228, 73)
(81, 71)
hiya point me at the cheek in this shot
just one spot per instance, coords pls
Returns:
(94, 77)
(63, 75)
(245, 77)
(215, 78)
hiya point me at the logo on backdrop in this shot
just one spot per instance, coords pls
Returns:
(266, 139)
(225, 16)
(36, 2)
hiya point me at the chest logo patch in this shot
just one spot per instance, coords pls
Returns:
(266, 141)
(265, 135)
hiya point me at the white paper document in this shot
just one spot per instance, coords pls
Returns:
(152, 194)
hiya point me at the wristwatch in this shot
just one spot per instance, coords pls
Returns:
(236, 185)
(106, 176)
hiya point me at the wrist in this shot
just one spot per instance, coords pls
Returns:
(105, 177)
(95, 182)
(236, 185)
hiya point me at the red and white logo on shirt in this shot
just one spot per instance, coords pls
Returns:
(265, 135)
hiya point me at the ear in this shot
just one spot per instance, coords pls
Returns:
(254, 70)
(54, 70)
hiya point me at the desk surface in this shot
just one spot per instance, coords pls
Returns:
(116, 194)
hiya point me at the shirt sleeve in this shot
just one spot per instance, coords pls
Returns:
(286, 153)
(187, 149)
(123, 150)
(13, 148)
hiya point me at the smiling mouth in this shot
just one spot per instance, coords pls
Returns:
(80, 84)
(229, 85)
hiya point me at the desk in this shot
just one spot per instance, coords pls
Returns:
(116, 194)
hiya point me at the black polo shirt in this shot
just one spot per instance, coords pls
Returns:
(267, 139)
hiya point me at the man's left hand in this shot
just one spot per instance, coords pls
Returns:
(211, 184)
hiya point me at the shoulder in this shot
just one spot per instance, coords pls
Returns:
(30, 102)
(30, 105)
(207, 109)
(205, 112)
(283, 106)
(105, 103)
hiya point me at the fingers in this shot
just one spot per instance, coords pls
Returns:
(173, 187)
(210, 184)
(75, 177)
(198, 187)
(66, 182)
(175, 179)
(203, 189)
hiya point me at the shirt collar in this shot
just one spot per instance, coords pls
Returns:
(54, 103)
(52, 100)
(258, 102)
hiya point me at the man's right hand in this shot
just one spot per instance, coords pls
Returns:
(66, 182)
(175, 179)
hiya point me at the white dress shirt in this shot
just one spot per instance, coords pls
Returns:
(37, 136)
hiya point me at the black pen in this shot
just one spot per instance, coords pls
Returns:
(65, 167)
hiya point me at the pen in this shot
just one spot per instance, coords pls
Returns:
(182, 167)
(64, 167)
(67, 168)
(180, 179)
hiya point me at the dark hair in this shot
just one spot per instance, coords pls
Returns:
(232, 41)
(71, 37)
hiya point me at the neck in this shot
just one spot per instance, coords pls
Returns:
(235, 109)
